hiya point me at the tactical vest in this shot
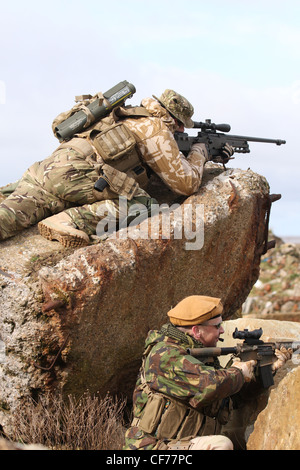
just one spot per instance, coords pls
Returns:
(165, 417)
(113, 146)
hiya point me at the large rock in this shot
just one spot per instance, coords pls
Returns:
(77, 319)
(277, 292)
(277, 426)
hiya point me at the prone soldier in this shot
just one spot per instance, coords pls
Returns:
(62, 192)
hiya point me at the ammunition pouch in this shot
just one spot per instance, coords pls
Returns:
(169, 419)
(116, 145)
(119, 182)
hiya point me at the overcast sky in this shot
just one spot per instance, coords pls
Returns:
(236, 61)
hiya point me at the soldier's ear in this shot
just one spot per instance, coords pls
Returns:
(196, 330)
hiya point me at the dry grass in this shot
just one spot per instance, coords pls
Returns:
(88, 423)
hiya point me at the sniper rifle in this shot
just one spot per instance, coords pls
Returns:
(215, 141)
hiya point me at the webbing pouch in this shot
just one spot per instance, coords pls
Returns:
(114, 143)
(120, 182)
(152, 413)
(191, 425)
(116, 146)
(171, 420)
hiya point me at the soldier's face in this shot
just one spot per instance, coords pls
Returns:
(209, 332)
(180, 127)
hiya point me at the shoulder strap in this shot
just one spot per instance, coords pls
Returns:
(131, 111)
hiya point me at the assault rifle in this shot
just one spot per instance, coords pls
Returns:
(215, 141)
(252, 348)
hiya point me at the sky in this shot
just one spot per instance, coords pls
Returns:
(237, 61)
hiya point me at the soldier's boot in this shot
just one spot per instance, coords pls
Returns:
(61, 227)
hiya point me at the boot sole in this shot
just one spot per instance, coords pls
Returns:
(67, 241)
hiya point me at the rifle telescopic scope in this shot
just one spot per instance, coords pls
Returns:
(211, 126)
(246, 334)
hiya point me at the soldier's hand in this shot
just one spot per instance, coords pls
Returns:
(226, 152)
(247, 369)
(282, 355)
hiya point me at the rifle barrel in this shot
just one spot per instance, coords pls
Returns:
(257, 139)
(204, 352)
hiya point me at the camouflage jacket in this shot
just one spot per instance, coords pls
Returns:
(70, 176)
(159, 149)
(169, 370)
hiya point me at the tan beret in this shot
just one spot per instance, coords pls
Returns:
(195, 310)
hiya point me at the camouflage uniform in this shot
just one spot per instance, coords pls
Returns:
(170, 373)
(60, 181)
(159, 150)
(65, 180)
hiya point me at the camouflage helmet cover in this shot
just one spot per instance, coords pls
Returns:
(178, 106)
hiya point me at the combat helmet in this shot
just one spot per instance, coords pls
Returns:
(178, 106)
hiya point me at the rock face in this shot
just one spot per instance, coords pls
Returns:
(78, 319)
(276, 294)
(277, 426)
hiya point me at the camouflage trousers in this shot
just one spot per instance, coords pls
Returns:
(63, 182)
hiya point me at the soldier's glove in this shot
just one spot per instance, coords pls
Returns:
(226, 152)
(247, 369)
(282, 355)
(200, 148)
